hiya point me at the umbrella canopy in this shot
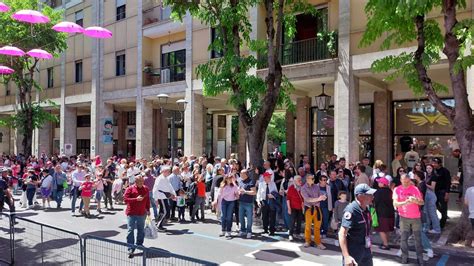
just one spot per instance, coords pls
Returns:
(30, 16)
(98, 32)
(68, 27)
(38, 53)
(12, 51)
(4, 7)
(6, 70)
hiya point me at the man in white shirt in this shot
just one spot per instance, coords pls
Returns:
(163, 192)
(132, 172)
(267, 190)
(268, 169)
(469, 201)
(78, 177)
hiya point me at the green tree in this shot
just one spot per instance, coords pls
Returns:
(405, 22)
(254, 98)
(30, 114)
(276, 131)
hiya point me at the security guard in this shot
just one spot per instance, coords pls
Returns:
(354, 236)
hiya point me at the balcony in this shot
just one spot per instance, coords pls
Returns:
(156, 14)
(157, 22)
(168, 74)
(302, 51)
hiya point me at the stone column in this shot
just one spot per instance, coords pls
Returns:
(302, 126)
(382, 126)
(228, 135)
(215, 132)
(193, 122)
(144, 130)
(68, 129)
(242, 144)
(45, 139)
(5, 140)
(346, 94)
(290, 134)
(121, 125)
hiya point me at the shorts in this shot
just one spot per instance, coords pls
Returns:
(99, 194)
(385, 225)
(45, 192)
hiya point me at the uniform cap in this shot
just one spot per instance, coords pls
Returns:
(364, 189)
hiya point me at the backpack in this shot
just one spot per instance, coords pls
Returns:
(191, 193)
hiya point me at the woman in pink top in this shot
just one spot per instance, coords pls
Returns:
(228, 194)
(86, 194)
(99, 189)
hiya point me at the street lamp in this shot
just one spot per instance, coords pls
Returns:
(181, 103)
(323, 100)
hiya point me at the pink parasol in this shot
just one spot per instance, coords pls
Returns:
(68, 27)
(98, 32)
(4, 7)
(4, 70)
(12, 51)
(30, 16)
(38, 53)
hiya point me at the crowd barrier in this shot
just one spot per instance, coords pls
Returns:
(27, 242)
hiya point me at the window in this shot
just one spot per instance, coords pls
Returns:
(54, 3)
(121, 9)
(83, 121)
(80, 18)
(120, 63)
(216, 52)
(50, 77)
(83, 146)
(175, 63)
(78, 71)
(131, 118)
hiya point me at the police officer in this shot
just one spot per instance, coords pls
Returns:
(354, 236)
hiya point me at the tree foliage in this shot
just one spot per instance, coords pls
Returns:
(276, 130)
(30, 114)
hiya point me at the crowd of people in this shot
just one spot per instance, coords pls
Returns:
(347, 201)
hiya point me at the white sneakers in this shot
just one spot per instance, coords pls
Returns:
(290, 238)
(429, 252)
(336, 243)
(222, 233)
(227, 235)
(249, 235)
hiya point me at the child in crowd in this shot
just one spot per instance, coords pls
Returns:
(86, 194)
(46, 182)
(338, 211)
(99, 190)
(181, 204)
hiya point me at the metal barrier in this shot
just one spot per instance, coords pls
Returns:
(101, 251)
(6, 239)
(45, 244)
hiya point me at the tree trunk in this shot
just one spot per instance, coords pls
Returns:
(256, 140)
(27, 133)
(463, 230)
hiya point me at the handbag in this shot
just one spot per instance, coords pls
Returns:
(375, 219)
(334, 224)
(151, 232)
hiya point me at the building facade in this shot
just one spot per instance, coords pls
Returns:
(107, 90)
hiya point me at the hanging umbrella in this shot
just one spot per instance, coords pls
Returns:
(4, 7)
(4, 70)
(30, 16)
(38, 53)
(68, 27)
(98, 32)
(12, 51)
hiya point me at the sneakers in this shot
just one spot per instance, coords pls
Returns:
(222, 234)
(321, 247)
(336, 243)
(434, 232)
(249, 235)
(227, 235)
(73, 214)
(241, 234)
(290, 237)
(399, 253)
(306, 245)
(429, 253)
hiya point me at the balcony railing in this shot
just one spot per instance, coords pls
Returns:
(156, 14)
(163, 75)
(302, 51)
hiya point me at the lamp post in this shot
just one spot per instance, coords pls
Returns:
(181, 103)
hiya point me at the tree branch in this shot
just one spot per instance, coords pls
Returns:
(423, 74)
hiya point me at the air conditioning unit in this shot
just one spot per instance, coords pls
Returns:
(165, 75)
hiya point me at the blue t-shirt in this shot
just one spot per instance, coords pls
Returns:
(246, 185)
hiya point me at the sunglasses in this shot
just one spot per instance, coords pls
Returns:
(324, 180)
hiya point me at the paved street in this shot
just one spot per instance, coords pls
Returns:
(201, 241)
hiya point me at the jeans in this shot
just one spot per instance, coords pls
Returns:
(30, 194)
(58, 197)
(284, 213)
(226, 217)
(295, 223)
(414, 225)
(108, 196)
(325, 221)
(199, 204)
(442, 206)
(135, 222)
(153, 205)
(429, 209)
(246, 211)
(425, 242)
(75, 192)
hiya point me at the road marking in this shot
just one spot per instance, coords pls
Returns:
(230, 263)
(442, 261)
(299, 262)
(230, 241)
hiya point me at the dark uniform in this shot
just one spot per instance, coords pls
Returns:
(358, 222)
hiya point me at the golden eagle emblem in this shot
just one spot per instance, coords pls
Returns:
(423, 119)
